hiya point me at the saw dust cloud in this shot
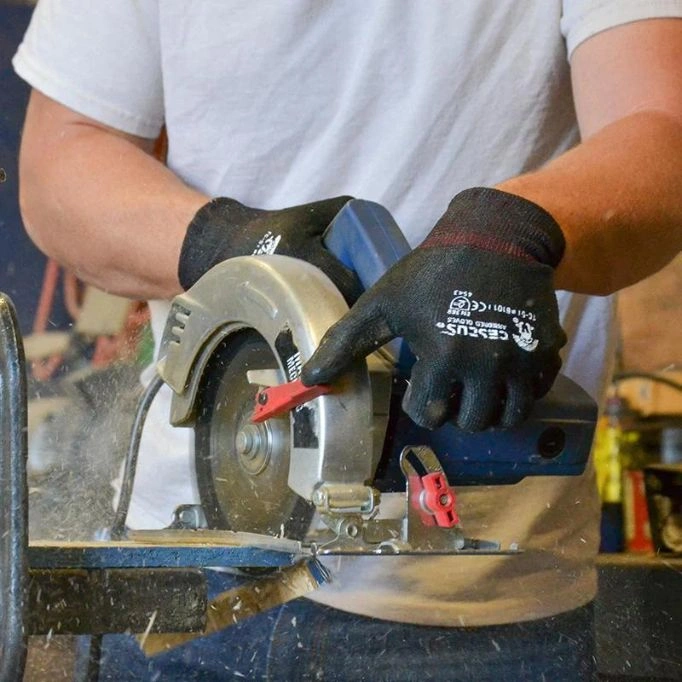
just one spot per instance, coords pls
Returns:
(79, 428)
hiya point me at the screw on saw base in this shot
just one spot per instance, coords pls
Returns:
(352, 530)
(262, 398)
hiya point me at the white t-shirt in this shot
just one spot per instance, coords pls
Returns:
(404, 102)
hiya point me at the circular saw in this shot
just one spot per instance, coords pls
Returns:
(270, 452)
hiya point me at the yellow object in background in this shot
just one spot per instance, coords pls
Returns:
(617, 448)
(607, 461)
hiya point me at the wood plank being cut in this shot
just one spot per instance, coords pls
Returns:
(169, 548)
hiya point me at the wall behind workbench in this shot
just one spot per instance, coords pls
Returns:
(650, 315)
(21, 264)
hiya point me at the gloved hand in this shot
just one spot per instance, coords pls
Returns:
(476, 305)
(224, 228)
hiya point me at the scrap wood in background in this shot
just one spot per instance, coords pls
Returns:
(650, 318)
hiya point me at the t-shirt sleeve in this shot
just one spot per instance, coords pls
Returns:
(582, 19)
(101, 59)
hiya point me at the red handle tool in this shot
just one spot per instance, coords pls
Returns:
(276, 400)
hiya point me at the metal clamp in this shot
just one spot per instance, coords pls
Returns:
(430, 524)
(338, 498)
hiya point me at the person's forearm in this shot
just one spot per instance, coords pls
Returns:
(105, 208)
(617, 197)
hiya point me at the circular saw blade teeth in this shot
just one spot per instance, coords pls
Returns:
(243, 468)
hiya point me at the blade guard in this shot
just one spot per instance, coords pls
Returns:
(291, 304)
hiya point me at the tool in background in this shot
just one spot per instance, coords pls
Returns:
(664, 499)
(629, 440)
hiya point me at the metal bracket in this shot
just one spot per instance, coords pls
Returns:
(420, 531)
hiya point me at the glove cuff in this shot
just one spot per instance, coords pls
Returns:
(497, 221)
(203, 242)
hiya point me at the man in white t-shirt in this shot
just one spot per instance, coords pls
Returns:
(410, 104)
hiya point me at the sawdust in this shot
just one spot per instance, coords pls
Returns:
(80, 448)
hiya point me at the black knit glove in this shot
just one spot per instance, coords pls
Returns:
(224, 228)
(476, 304)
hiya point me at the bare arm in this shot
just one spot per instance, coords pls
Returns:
(617, 195)
(97, 201)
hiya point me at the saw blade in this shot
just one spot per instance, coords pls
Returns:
(243, 468)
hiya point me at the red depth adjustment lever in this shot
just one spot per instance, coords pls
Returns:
(277, 400)
(436, 500)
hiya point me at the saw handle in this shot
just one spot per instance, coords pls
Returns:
(366, 239)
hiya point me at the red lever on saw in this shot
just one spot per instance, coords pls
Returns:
(276, 400)
(437, 499)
